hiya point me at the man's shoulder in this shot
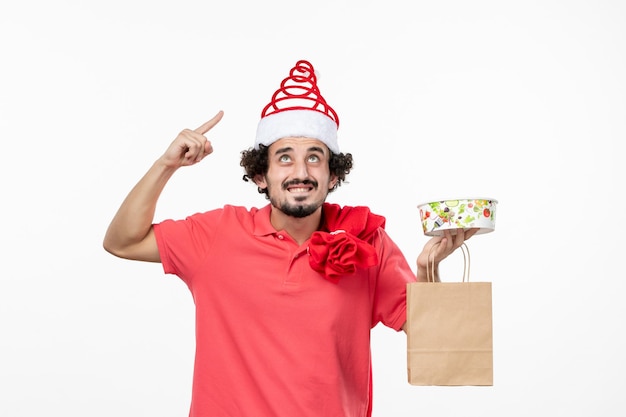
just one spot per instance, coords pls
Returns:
(229, 210)
(243, 211)
(249, 218)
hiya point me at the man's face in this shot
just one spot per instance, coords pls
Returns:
(298, 178)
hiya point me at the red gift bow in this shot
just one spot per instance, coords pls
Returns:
(344, 249)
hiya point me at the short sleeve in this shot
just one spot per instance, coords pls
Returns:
(393, 274)
(183, 244)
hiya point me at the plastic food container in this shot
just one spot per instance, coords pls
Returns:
(466, 213)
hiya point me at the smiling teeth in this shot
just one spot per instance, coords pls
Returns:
(299, 190)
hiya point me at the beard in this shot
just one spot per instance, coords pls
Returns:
(296, 210)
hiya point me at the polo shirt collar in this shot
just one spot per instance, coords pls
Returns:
(262, 224)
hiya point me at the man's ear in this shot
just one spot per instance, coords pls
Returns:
(333, 182)
(259, 180)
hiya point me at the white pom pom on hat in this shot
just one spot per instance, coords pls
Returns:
(297, 109)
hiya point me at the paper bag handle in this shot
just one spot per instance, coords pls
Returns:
(430, 265)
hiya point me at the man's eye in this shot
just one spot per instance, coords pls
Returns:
(284, 158)
(314, 158)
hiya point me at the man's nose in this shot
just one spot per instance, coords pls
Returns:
(301, 170)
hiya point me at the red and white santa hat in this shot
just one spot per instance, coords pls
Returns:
(297, 109)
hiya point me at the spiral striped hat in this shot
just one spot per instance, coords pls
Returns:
(297, 109)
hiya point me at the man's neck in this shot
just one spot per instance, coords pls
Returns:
(300, 229)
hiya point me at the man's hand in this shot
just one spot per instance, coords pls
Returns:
(438, 248)
(190, 146)
(130, 234)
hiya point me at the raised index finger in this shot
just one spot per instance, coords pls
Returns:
(209, 125)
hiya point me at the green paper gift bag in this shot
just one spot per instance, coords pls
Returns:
(449, 331)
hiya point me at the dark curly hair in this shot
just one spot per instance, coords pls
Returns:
(255, 162)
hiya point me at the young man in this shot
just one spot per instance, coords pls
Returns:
(285, 295)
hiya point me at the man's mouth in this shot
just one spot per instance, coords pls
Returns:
(300, 186)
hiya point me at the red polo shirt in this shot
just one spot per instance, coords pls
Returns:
(273, 337)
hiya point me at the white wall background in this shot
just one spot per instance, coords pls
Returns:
(524, 102)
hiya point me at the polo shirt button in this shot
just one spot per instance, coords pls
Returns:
(280, 237)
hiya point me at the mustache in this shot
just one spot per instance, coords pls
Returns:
(300, 182)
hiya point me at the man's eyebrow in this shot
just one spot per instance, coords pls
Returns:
(283, 150)
(290, 149)
(316, 149)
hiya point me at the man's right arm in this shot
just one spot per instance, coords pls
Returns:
(130, 234)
